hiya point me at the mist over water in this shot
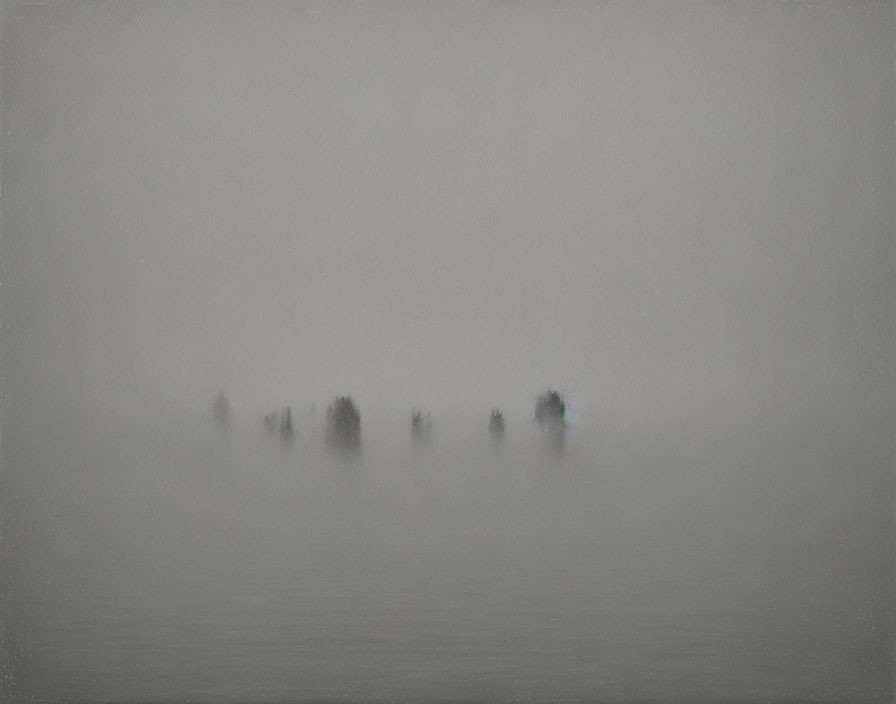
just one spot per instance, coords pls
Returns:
(679, 215)
(177, 561)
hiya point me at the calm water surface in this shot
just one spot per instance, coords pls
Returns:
(193, 565)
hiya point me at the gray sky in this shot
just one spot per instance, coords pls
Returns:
(667, 210)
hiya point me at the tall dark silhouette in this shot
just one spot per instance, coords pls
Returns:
(421, 424)
(286, 424)
(343, 424)
(496, 424)
(271, 422)
(221, 411)
(550, 412)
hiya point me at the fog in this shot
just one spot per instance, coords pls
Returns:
(678, 215)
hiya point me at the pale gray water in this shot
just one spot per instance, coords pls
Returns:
(175, 563)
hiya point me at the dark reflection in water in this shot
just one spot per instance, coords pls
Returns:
(183, 565)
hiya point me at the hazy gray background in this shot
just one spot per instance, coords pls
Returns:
(679, 214)
(670, 209)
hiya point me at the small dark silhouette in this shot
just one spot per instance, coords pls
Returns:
(496, 424)
(279, 423)
(221, 411)
(286, 424)
(343, 424)
(550, 412)
(421, 424)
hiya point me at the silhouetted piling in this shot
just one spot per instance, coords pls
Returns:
(221, 411)
(550, 413)
(343, 424)
(421, 425)
(496, 424)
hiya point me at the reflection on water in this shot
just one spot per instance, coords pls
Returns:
(211, 567)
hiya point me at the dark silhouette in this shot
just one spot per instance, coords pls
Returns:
(271, 422)
(550, 412)
(496, 424)
(343, 424)
(421, 424)
(549, 407)
(286, 424)
(221, 411)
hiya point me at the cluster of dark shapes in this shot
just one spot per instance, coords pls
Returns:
(343, 424)
(343, 429)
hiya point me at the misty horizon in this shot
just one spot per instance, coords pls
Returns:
(677, 215)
